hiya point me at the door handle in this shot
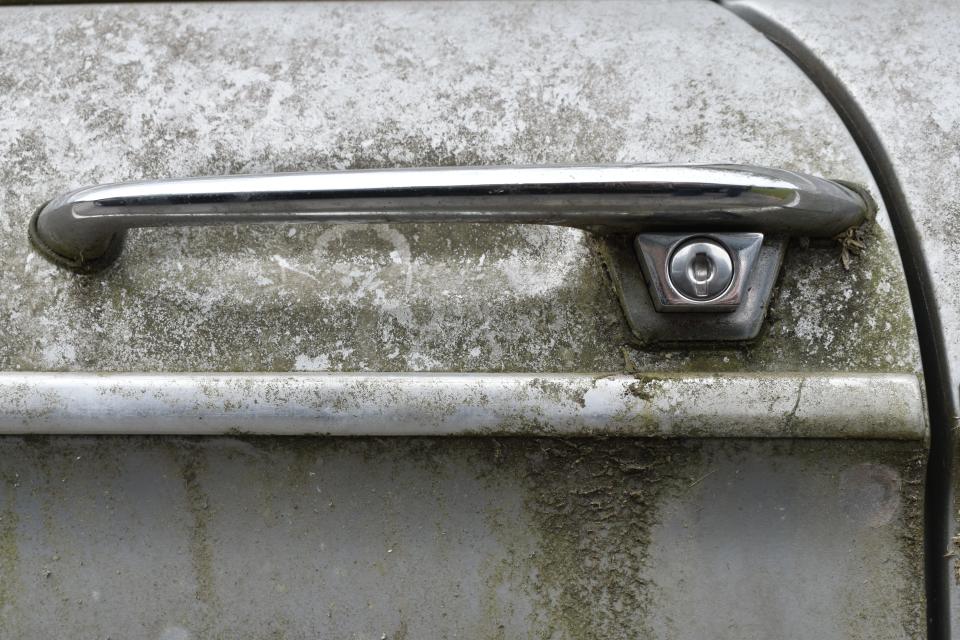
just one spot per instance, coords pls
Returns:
(83, 229)
(658, 206)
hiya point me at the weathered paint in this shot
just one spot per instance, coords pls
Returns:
(99, 94)
(897, 62)
(486, 537)
(455, 537)
(780, 405)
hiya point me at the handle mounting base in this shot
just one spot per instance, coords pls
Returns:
(651, 327)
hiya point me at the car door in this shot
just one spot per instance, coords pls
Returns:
(434, 430)
(887, 70)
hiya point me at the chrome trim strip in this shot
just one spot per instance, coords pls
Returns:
(84, 229)
(883, 406)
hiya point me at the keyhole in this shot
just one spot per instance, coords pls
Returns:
(701, 271)
(702, 267)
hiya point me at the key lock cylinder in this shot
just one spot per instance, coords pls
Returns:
(701, 269)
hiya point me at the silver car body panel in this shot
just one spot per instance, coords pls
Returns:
(892, 67)
(521, 536)
(157, 91)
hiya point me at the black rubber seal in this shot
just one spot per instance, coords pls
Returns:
(83, 265)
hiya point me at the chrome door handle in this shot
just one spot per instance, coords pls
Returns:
(83, 230)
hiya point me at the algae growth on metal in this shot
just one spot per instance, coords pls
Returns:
(518, 532)
(156, 91)
(486, 537)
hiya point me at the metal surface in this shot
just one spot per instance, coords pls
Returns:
(84, 229)
(254, 537)
(295, 538)
(404, 85)
(666, 260)
(889, 68)
(701, 268)
(638, 292)
(350, 404)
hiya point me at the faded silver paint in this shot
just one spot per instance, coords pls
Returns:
(896, 62)
(717, 406)
(157, 91)
(297, 538)
(897, 59)
(173, 537)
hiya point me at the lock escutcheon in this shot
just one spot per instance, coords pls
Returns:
(702, 272)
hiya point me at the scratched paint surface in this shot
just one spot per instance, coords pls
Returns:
(100, 94)
(290, 537)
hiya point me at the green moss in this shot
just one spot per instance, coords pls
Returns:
(574, 522)
(821, 318)
(192, 463)
(593, 502)
(9, 556)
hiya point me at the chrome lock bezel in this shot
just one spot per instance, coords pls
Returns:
(657, 250)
